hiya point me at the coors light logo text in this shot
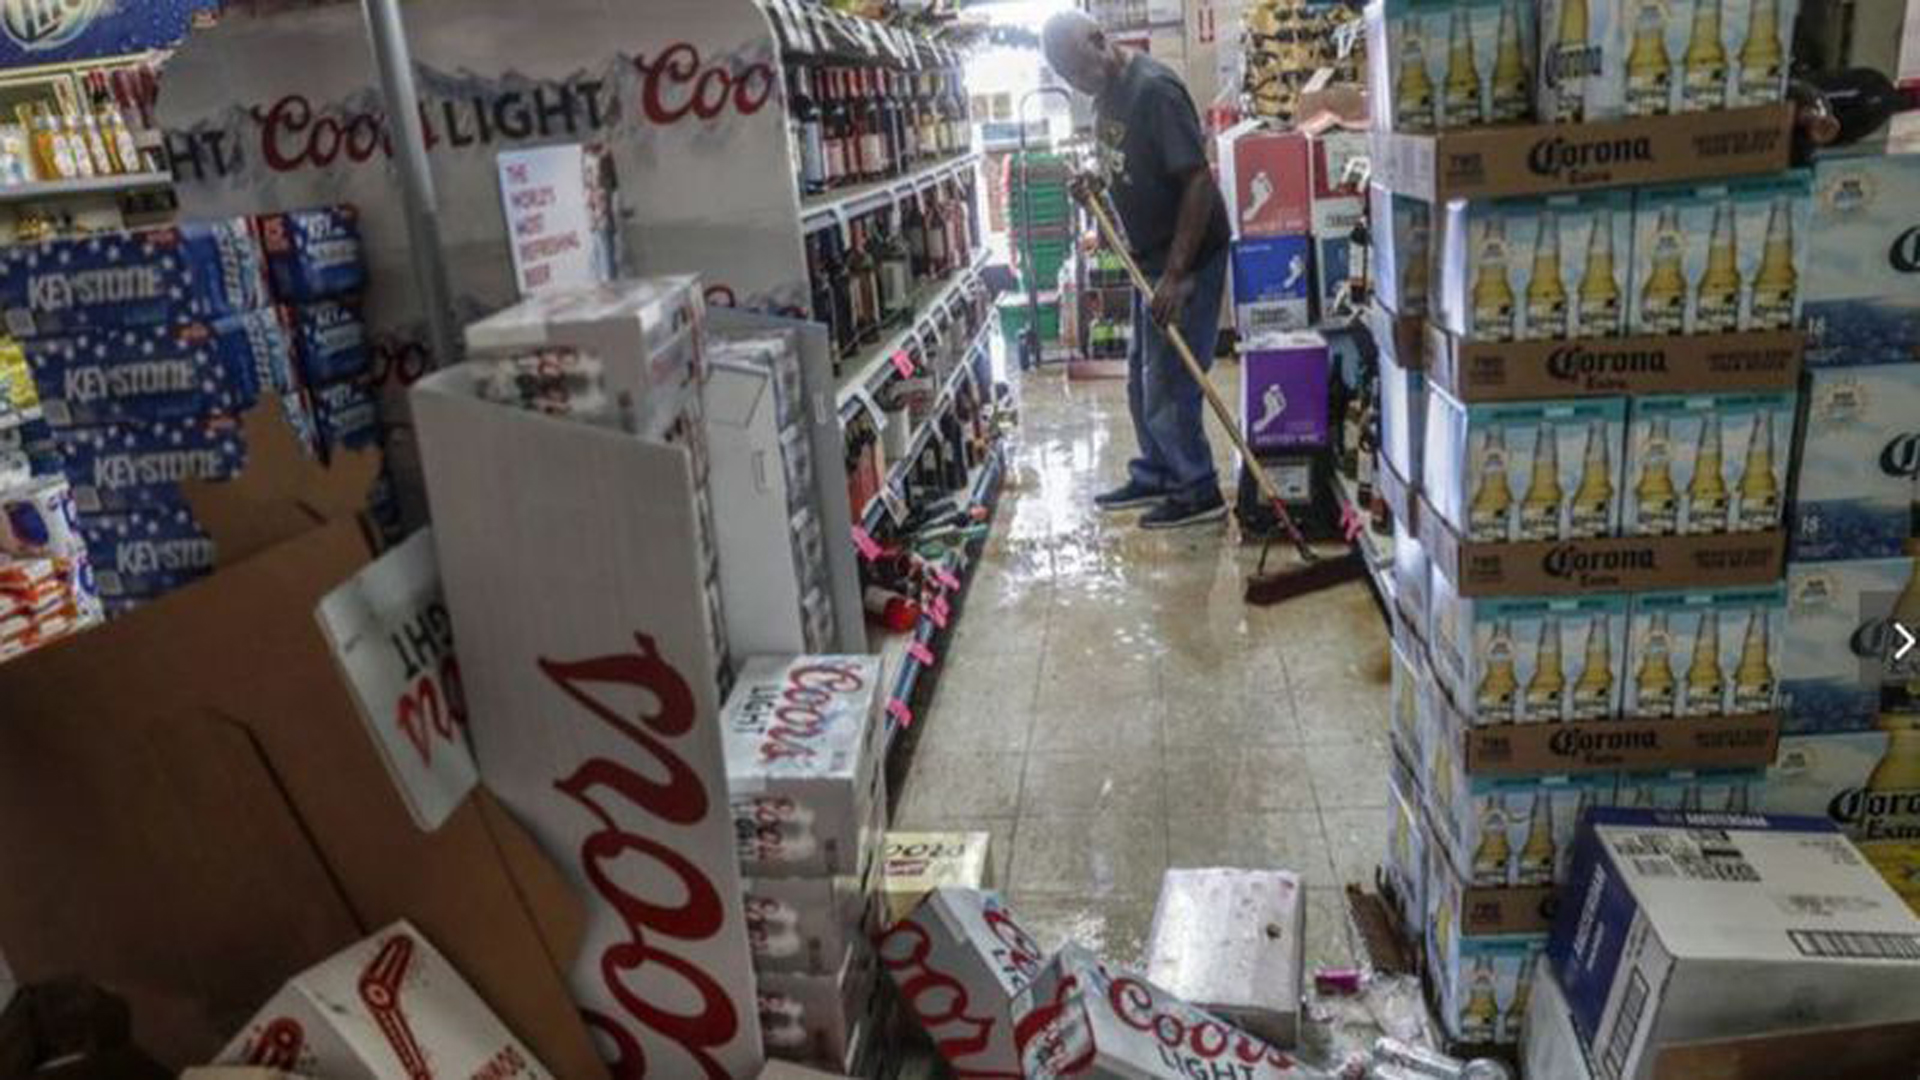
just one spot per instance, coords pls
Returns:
(1570, 363)
(1574, 159)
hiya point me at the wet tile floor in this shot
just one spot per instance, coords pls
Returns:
(1111, 708)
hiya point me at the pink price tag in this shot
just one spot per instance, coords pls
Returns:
(921, 654)
(1351, 522)
(899, 711)
(865, 545)
(946, 579)
(903, 364)
(938, 613)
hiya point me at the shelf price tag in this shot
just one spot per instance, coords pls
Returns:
(903, 363)
(865, 545)
(1351, 522)
(900, 713)
(947, 581)
(919, 651)
(939, 612)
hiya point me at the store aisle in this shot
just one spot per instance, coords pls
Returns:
(1111, 707)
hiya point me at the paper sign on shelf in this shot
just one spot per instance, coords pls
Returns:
(903, 364)
(559, 217)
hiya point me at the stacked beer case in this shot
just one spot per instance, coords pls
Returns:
(805, 748)
(1590, 253)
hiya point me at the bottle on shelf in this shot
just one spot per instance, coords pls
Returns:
(896, 277)
(804, 118)
(863, 279)
(913, 225)
(825, 307)
(939, 249)
(833, 129)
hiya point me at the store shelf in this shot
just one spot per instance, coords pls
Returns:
(72, 189)
(1376, 551)
(811, 29)
(830, 208)
(876, 507)
(873, 368)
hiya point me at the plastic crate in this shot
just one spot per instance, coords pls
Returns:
(1014, 316)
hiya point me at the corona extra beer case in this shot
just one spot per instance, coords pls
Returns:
(1232, 942)
(1705, 653)
(1703, 55)
(1403, 414)
(959, 961)
(1700, 464)
(1829, 776)
(1863, 261)
(1537, 268)
(1859, 460)
(1836, 639)
(1517, 471)
(1509, 833)
(1402, 232)
(1530, 660)
(1730, 791)
(1898, 861)
(1441, 64)
(913, 865)
(1413, 583)
(1693, 927)
(1718, 257)
(1582, 70)
(1480, 982)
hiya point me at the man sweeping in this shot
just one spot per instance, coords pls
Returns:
(1154, 163)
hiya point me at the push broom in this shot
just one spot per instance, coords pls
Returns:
(1313, 572)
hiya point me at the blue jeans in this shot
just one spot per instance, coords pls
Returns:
(1168, 420)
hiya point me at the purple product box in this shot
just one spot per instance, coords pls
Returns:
(1284, 385)
(329, 341)
(147, 553)
(1272, 284)
(132, 466)
(146, 277)
(312, 254)
(146, 373)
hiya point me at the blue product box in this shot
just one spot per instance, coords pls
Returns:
(348, 415)
(130, 466)
(143, 373)
(141, 278)
(146, 553)
(1272, 284)
(1858, 464)
(329, 341)
(1862, 291)
(312, 254)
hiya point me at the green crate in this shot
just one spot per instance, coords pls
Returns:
(1014, 315)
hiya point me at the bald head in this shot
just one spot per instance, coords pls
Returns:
(1078, 51)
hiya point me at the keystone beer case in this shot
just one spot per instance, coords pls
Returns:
(1518, 471)
(1530, 660)
(1863, 261)
(1537, 268)
(129, 466)
(1402, 232)
(1582, 61)
(1705, 652)
(118, 375)
(1836, 635)
(1702, 55)
(1481, 983)
(1443, 64)
(1858, 464)
(1719, 257)
(145, 277)
(1708, 463)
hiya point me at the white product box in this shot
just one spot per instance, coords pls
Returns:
(1708, 463)
(1403, 249)
(1836, 635)
(959, 961)
(1518, 471)
(805, 925)
(1451, 63)
(1403, 415)
(1505, 832)
(1079, 1018)
(1412, 578)
(1537, 268)
(1828, 776)
(1481, 983)
(1718, 257)
(389, 1006)
(1231, 942)
(1583, 53)
(1403, 705)
(1705, 652)
(804, 764)
(915, 864)
(1701, 55)
(1858, 463)
(1550, 1046)
(1405, 865)
(1862, 254)
(820, 1019)
(1691, 927)
(1530, 659)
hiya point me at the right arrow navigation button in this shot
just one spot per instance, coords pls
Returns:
(1907, 643)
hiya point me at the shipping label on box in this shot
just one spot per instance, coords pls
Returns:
(959, 961)
(1837, 641)
(1700, 464)
(1537, 268)
(1272, 285)
(1517, 471)
(1863, 261)
(1403, 251)
(1530, 660)
(1283, 392)
(145, 277)
(1266, 173)
(1718, 257)
(1583, 55)
(1232, 943)
(1445, 64)
(1702, 55)
(913, 865)
(389, 1006)
(1858, 464)
(1481, 982)
(313, 254)
(1705, 652)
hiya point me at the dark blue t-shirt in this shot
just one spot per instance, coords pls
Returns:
(1149, 142)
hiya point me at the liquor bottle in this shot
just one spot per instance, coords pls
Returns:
(833, 267)
(932, 132)
(896, 278)
(1759, 508)
(1643, 798)
(824, 309)
(914, 225)
(1776, 282)
(833, 129)
(1653, 683)
(880, 118)
(1707, 494)
(1649, 68)
(1663, 302)
(939, 250)
(1493, 306)
(1753, 683)
(1460, 97)
(1496, 696)
(1590, 512)
(1762, 66)
(807, 135)
(1565, 64)
(863, 282)
(906, 120)
(1509, 95)
(1496, 850)
(1540, 507)
(1490, 517)
(1537, 855)
(120, 141)
(956, 221)
(1717, 305)
(1413, 100)
(970, 202)
(1480, 1019)
(1706, 685)
(1899, 768)
(1593, 694)
(97, 145)
(77, 143)
(1546, 314)
(1547, 691)
(1657, 503)
(1703, 80)
(1599, 311)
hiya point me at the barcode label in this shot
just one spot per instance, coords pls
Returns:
(1855, 945)
(1720, 868)
(1613, 1062)
(1698, 855)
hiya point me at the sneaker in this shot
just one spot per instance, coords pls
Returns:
(1131, 495)
(1180, 513)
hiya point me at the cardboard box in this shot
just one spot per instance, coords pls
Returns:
(1475, 371)
(1702, 652)
(1836, 639)
(1582, 61)
(1708, 463)
(820, 1019)
(1502, 832)
(1402, 230)
(915, 864)
(1688, 927)
(1551, 1047)
(1832, 776)
(1702, 55)
(1405, 867)
(312, 254)
(1437, 65)
(1480, 982)
(1283, 392)
(959, 961)
(805, 925)
(1715, 257)
(1403, 415)
(1533, 471)
(1898, 861)
(1537, 268)
(1530, 660)
(1727, 791)
(1859, 458)
(1232, 942)
(1272, 285)
(1409, 671)
(1412, 569)
(391, 1005)
(1334, 219)
(1863, 250)
(1265, 176)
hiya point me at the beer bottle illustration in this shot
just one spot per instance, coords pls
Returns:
(1753, 683)
(1738, 796)
(1643, 797)
(1494, 701)
(1775, 283)
(1593, 694)
(1546, 314)
(1716, 308)
(1547, 690)
(1762, 65)
(1705, 683)
(1656, 502)
(1540, 509)
(1537, 854)
(1663, 300)
(1496, 850)
(1489, 518)
(1653, 683)
(1460, 96)
(1590, 514)
(1703, 76)
(1515, 1018)
(1579, 815)
(1899, 769)
(1759, 489)
(1413, 99)
(1690, 799)
(1480, 1019)
(1493, 307)
(1707, 493)
(1509, 95)
(1567, 64)
(1649, 68)
(1902, 676)
(1599, 310)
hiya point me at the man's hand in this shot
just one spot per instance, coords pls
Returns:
(1083, 186)
(1170, 298)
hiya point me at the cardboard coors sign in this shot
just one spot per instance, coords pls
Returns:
(389, 1008)
(958, 961)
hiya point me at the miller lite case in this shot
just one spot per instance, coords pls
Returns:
(1863, 261)
(312, 254)
(1858, 464)
(145, 277)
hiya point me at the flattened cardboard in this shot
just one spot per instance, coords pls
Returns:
(1879, 1052)
(1541, 159)
(1480, 371)
(1716, 742)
